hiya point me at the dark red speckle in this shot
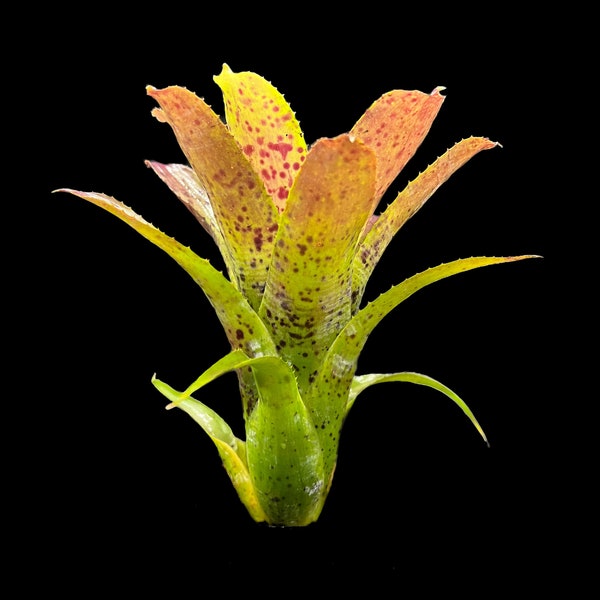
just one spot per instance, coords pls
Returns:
(281, 147)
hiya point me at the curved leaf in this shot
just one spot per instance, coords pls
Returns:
(246, 214)
(406, 204)
(333, 382)
(266, 129)
(362, 382)
(282, 449)
(242, 325)
(231, 449)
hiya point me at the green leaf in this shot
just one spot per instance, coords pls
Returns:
(284, 453)
(246, 214)
(282, 449)
(362, 382)
(231, 449)
(242, 325)
(333, 382)
(406, 204)
(207, 418)
(307, 299)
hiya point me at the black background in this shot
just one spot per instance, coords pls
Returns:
(124, 494)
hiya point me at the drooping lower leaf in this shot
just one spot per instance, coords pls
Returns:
(362, 382)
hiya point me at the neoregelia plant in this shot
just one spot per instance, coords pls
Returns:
(297, 230)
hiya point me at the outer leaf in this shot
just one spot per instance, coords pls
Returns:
(282, 448)
(245, 212)
(231, 450)
(184, 183)
(394, 127)
(241, 324)
(406, 204)
(362, 382)
(266, 129)
(308, 294)
(333, 382)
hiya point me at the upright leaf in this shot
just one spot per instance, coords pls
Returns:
(307, 299)
(266, 129)
(246, 214)
(394, 127)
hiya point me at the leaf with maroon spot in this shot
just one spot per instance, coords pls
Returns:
(307, 299)
(394, 127)
(266, 129)
(246, 215)
(406, 204)
(332, 386)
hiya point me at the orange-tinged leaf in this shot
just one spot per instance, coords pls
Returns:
(308, 294)
(245, 212)
(266, 129)
(394, 127)
(406, 204)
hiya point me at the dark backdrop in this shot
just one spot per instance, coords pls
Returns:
(124, 493)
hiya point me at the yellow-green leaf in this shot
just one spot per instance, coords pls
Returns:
(242, 325)
(333, 382)
(266, 129)
(282, 449)
(231, 449)
(362, 382)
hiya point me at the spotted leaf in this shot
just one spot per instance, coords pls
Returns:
(394, 127)
(246, 215)
(406, 204)
(266, 129)
(307, 299)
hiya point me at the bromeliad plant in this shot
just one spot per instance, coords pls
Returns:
(297, 230)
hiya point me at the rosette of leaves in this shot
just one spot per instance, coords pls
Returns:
(297, 228)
